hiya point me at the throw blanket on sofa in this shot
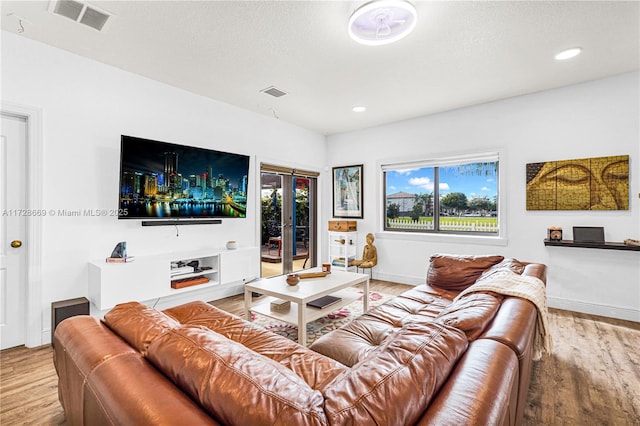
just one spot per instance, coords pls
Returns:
(527, 287)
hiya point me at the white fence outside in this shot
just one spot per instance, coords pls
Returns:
(448, 225)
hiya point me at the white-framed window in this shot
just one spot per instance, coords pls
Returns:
(449, 195)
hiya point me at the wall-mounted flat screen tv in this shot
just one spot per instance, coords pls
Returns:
(160, 180)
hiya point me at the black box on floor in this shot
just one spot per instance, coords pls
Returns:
(67, 308)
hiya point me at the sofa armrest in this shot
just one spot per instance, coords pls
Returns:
(514, 325)
(80, 344)
(102, 380)
(129, 391)
(538, 270)
(481, 390)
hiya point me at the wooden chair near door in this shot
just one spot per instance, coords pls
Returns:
(274, 237)
(277, 241)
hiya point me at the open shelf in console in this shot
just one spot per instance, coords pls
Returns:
(194, 271)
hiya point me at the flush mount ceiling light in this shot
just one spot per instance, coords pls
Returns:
(379, 22)
(568, 54)
(359, 109)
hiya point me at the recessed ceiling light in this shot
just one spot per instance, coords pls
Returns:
(379, 22)
(359, 109)
(568, 54)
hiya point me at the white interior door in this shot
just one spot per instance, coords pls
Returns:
(12, 230)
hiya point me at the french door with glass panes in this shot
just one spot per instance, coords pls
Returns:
(288, 220)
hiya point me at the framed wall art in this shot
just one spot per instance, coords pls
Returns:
(347, 191)
(599, 183)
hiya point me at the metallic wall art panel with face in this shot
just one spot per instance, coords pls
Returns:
(600, 183)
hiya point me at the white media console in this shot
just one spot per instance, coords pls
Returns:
(149, 278)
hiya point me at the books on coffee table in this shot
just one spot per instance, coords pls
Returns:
(323, 302)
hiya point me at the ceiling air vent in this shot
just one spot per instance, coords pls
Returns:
(273, 91)
(80, 12)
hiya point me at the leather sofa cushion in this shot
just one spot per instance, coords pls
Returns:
(315, 369)
(138, 324)
(403, 375)
(454, 272)
(355, 340)
(471, 313)
(232, 383)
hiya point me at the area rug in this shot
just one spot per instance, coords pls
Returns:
(321, 326)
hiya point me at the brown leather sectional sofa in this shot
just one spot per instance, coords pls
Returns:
(421, 358)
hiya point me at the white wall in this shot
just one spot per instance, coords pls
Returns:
(86, 106)
(598, 118)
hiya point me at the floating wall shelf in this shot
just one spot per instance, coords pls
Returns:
(605, 246)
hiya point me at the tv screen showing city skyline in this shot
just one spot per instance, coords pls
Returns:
(167, 180)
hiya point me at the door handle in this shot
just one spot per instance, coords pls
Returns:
(16, 243)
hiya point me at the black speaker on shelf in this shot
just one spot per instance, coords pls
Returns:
(67, 308)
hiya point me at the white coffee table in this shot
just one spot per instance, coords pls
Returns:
(306, 290)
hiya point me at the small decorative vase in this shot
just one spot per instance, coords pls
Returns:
(293, 279)
(232, 245)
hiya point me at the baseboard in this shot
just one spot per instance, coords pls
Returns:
(45, 338)
(401, 279)
(553, 302)
(594, 309)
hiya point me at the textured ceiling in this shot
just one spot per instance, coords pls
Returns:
(461, 53)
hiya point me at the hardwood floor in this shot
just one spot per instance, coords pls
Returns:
(29, 387)
(593, 376)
